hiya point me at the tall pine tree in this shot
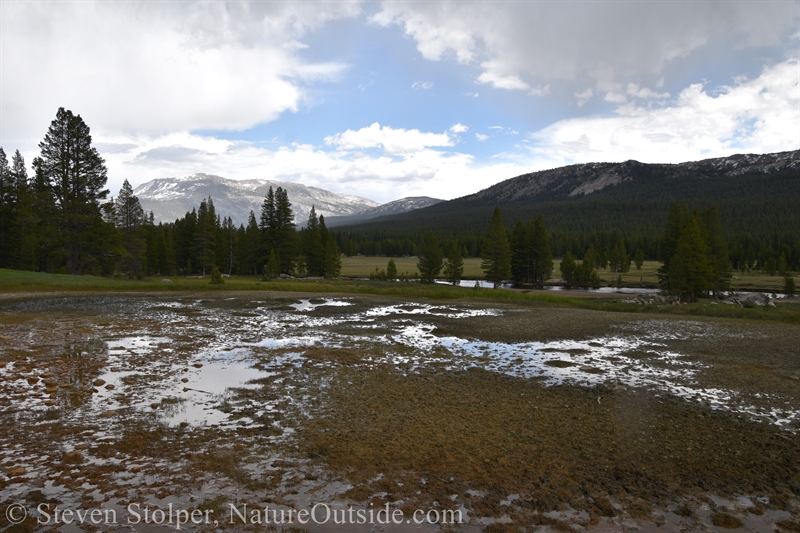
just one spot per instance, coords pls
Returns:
(496, 253)
(76, 175)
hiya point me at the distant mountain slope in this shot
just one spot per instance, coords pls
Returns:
(581, 180)
(403, 205)
(171, 198)
(753, 192)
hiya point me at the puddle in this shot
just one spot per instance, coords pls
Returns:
(307, 305)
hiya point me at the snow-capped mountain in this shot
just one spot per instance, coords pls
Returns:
(172, 198)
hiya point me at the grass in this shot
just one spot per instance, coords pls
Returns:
(15, 281)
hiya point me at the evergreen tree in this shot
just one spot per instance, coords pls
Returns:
(676, 222)
(227, 241)
(250, 246)
(7, 211)
(454, 266)
(331, 255)
(285, 234)
(568, 268)
(391, 269)
(25, 220)
(521, 241)
(430, 259)
(206, 236)
(268, 225)
(496, 253)
(76, 175)
(128, 218)
(789, 285)
(273, 267)
(639, 258)
(541, 254)
(312, 245)
(718, 257)
(690, 273)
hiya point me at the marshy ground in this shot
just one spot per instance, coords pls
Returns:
(531, 418)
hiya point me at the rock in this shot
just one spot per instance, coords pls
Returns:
(99, 382)
(166, 280)
(33, 380)
(750, 299)
(110, 387)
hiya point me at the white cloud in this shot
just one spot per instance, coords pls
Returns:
(393, 141)
(424, 85)
(177, 66)
(643, 92)
(757, 116)
(459, 128)
(424, 172)
(523, 41)
(481, 137)
(584, 96)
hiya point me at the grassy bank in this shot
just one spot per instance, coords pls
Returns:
(14, 281)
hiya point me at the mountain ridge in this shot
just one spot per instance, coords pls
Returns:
(171, 198)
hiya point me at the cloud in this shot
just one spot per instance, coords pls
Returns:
(458, 128)
(584, 96)
(135, 66)
(393, 141)
(756, 116)
(424, 85)
(595, 41)
(425, 172)
(481, 137)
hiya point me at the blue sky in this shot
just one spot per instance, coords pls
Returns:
(392, 99)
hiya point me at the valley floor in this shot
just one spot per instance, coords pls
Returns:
(515, 417)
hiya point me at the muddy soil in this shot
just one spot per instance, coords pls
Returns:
(520, 419)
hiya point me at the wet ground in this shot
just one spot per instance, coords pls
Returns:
(542, 418)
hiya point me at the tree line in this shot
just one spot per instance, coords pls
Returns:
(61, 220)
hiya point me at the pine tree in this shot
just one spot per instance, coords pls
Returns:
(568, 268)
(690, 273)
(521, 241)
(541, 254)
(7, 211)
(312, 245)
(25, 220)
(676, 222)
(206, 236)
(717, 247)
(391, 269)
(285, 234)
(496, 253)
(430, 259)
(454, 266)
(639, 258)
(76, 175)
(789, 286)
(129, 219)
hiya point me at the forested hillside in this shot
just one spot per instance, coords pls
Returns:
(758, 206)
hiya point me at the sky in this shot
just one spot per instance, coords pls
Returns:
(389, 99)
